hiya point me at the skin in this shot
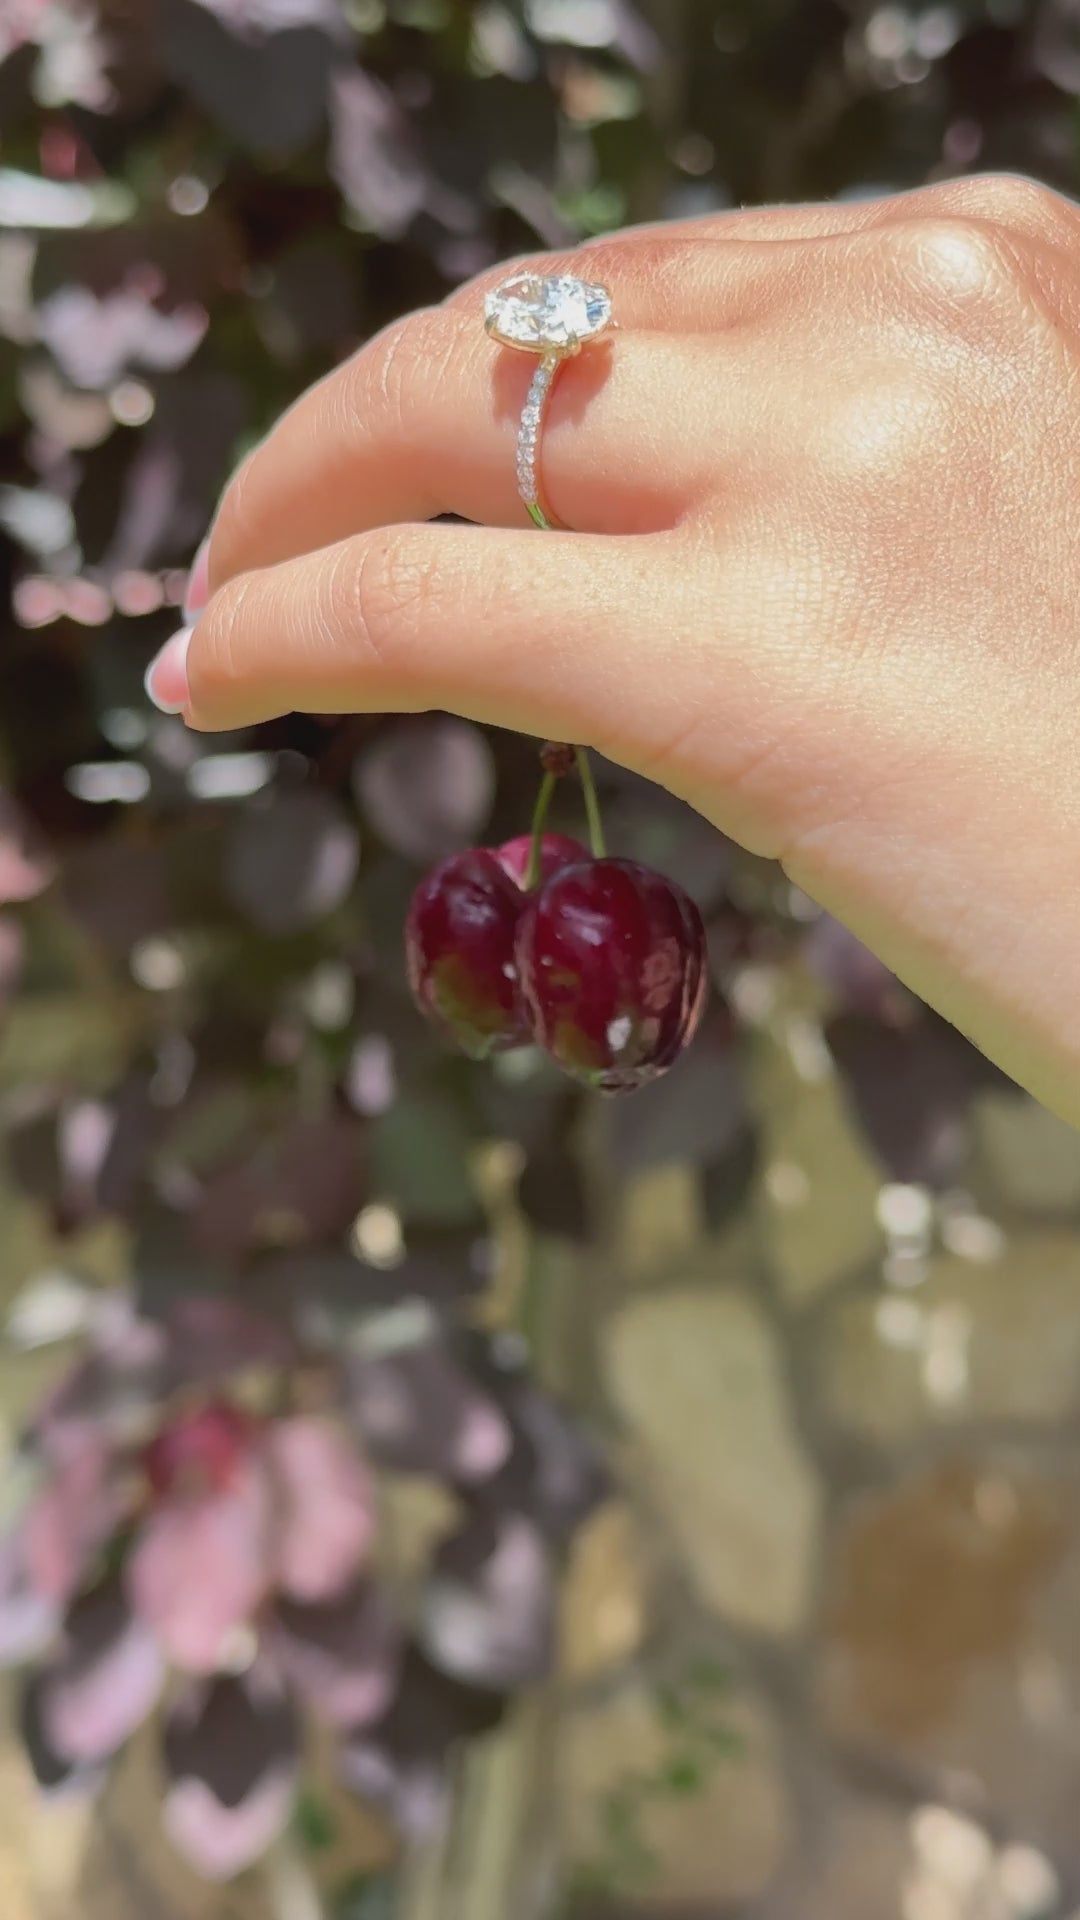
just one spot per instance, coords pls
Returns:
(824, 581)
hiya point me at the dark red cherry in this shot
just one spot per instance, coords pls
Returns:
(611, 959)
(459, 952)
(556, 850)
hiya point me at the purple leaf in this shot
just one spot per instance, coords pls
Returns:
(28, 1619)
(911, 1088)
(326, 1508)
(374, 153)
(170, 485)
(95, 339)
(488, 1613)
(860, 981)
(112, 1388)
(118, 891)
(644, 823)
(275, 16)
(265, 87)
(1055, 49)
(635, 39)
(106, 1679)
(419, 1412)
(427, 786)
(313, 301)
(290, 859)
(231, 1754)
(693, 1114)
(210, 1337)
(26, 868)
(202, 1566)
(342, 1658)
(301, 1185)
(72, 1517)
(56, 1776)
(400, 1763)
(556, 1472)
(104, 1147)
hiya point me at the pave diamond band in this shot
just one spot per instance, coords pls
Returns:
(528, 445)
(552, 316)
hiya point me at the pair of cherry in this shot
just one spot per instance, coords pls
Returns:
(539, 941)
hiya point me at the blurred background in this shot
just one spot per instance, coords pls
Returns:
(429, 1493)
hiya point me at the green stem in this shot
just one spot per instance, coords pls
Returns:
(592, 805)
(540, 814)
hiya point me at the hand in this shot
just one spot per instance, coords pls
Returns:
(824, 583)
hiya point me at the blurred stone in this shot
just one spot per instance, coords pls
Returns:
(360, 1841)
(696, 1376)
(716, 1829)
(603, 1602)
(1026, 1157)
(818, 1185)
(951, 1641)
(975, 1341)
(661, 1221)
(852, 1866)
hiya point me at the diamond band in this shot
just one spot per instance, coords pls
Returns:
(528, 446)
(552, 316)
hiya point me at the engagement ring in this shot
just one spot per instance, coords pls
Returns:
(552, 316)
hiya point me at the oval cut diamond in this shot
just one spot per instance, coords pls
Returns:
(546, 313)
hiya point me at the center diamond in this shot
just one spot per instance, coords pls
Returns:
(546, 313)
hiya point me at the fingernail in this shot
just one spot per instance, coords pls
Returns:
(198, 586)
(166, 677)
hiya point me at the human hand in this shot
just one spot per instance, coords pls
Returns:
(824, 581)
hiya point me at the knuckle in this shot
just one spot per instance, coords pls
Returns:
(391, 380)
(381, 375)
(1018, 201)
(377, 591)
(954, 260)
(979, 302)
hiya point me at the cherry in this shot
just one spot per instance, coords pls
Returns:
(459, 951)
(459, 940)
(556, 850)
(611, 960)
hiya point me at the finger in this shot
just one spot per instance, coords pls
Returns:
(422, 422)
(502, 625)
(425, 423)
(552, 636)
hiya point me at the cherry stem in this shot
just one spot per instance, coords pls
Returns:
(540, 814)
(592, 805)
